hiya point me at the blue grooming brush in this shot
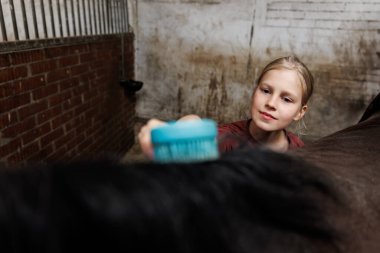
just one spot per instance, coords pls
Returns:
(185, 141)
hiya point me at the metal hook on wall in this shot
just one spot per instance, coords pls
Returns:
(130, 86)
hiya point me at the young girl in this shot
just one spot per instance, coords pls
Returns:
(280, 97)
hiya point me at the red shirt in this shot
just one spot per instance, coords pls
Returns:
(236, 134)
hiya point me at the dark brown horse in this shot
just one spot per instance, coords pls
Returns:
(322, 198)
(352, 157)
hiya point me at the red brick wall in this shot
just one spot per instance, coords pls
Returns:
(65, 102)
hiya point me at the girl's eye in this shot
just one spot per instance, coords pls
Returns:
(265, 90)
(287, 100)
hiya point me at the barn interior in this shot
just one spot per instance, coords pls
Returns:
(79, 77)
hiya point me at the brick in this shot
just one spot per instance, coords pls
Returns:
(32, 83)
(82, 88)
(95, 47)
(29, 150)
(71, 103)
(64, 140)
(77, 49)
(91, 131)
(42, 67)
(9, 103)
(80, 129)
(15, 158)
(43, 153)
(91, 94)
(81, 109)
(79, 69)
(45, 91)
(104, 55)
(6, 105)
(69, 126)
(4, 60)
(59, 98)
(59, 121)
(78, 120)
(49, 114)
(19, 128)
(71, 145)
(32, 109)
(21, 100)
(7, 119)
(66, 84)
(100, 74)
(102, 90)
(68, 61)
(54, 52)
(80, 137)
(6, 75)
(97, 100)
(84, 145)
(102, 79)
(49, 138)
(59, 155)
(86, 77)
(99, 131)
(3, 89)
(35, 133)
(58, 74)
(86, 57)
(27, 56)
(9, 148)
(14, 89)
(90, 114)
(20, 72)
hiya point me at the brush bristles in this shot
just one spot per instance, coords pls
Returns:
(187, 150)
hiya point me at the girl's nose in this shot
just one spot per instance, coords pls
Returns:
(271, 103)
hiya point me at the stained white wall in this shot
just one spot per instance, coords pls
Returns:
(202, 56)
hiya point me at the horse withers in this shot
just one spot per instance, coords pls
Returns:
(352, 158)
(322, 198)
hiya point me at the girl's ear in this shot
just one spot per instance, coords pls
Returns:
(301, 113)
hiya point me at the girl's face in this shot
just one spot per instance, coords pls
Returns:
(277, 100)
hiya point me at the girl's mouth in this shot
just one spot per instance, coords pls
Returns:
(267, 116)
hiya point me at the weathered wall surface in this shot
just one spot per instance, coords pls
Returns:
(202, 56)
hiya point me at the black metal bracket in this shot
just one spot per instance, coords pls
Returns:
(131, 86)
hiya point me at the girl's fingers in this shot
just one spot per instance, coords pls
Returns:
(144, 136)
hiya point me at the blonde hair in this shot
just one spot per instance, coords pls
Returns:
(293, 63)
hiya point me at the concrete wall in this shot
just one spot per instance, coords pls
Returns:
(202, 56)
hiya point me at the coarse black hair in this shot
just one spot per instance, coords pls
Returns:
(247, 201)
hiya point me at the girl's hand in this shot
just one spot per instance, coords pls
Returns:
(190, 117)
(144, 136)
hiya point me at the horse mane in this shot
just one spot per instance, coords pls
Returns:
(247, 201)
